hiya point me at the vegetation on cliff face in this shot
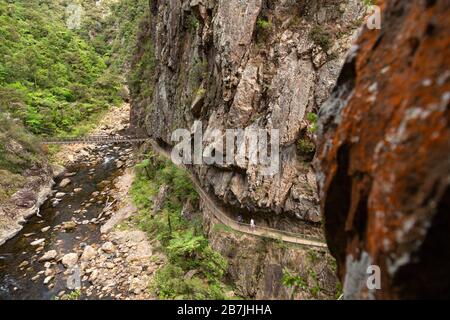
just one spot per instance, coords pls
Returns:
(193, 270)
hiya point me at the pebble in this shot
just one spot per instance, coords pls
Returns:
(37, 242)
(108, 247)
(50, 255)
(48, 279)
(65, 182)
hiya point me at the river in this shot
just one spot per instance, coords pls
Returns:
(21, 274)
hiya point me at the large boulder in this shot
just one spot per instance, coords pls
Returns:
(383, 164)
(70, 260)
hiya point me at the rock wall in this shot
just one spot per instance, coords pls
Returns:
(244, 64)
(383, 163)
(248, 64)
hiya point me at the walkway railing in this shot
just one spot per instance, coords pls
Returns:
(300, 238)
(94, 139)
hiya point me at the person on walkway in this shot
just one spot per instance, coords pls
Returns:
(252, 224)
(240, 219)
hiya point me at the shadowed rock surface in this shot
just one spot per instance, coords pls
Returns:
(383, 165)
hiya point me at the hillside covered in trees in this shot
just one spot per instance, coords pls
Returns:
(55, 79)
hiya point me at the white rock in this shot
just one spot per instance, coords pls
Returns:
(49, 272)
(70, 260)
(60, 195)
(50, 255)
(48, 279)
(108, 247)
(38, 242)
(45, 229)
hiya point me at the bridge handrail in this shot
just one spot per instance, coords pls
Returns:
(93, 138)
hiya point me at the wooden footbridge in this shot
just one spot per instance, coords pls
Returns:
(95, 139)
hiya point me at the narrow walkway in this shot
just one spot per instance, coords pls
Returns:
(219, 214)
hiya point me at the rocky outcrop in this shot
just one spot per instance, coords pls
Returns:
(243, 64)
(25, 202)
(383, 163)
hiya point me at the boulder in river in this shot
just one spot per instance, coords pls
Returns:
(77, 190)
(65, 182)
(69, 225)
(60, 195)
(70, 260)
(48, 256)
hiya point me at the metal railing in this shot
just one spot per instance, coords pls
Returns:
(301, 238)
(94, 139)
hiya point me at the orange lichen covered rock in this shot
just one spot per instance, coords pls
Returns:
(383, 162)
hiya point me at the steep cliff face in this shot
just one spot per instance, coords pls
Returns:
(244, 64)
(235, 64)
(383, 162)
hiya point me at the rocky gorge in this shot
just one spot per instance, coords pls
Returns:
(362, 120)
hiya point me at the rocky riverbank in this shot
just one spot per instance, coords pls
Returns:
(73, 248)
(37, 183)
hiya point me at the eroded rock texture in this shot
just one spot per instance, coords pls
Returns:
(244, 64)
(384, 157)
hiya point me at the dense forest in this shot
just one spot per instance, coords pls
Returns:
(51, 77)
(56, 79)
